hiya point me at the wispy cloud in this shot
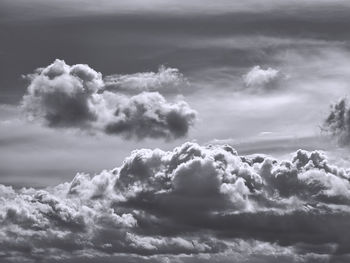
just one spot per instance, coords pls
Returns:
(166, 80)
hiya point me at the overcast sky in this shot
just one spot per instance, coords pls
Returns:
(83, 84)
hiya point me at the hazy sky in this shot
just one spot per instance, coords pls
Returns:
(85, 83)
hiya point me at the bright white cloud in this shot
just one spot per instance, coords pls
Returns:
(258, 77)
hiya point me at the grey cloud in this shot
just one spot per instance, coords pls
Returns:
(189, 201)
(149, 115)
(63, 96)
(338, 121)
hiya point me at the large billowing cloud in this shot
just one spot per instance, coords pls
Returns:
(338, 121)
(193, 201)
(63, 96)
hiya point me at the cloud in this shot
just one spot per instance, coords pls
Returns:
(258, 77)
(191, 201)
(165, 80)
(338, 121)
(63, 96)
(149, 115)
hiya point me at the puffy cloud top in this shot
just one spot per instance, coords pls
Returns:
(191, 200)
(74, 97)
(63, 95)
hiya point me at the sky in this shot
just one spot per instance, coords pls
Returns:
(98, 100)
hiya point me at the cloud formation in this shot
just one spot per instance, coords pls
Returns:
(195, 200)
(338, 121)
(258, 77)
(63, 96)
(165, 80)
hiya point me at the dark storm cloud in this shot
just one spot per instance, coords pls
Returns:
(188, 201)
(64, 96)
(338, 121)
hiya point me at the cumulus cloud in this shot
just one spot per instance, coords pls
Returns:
(150, 115)
(63, 96)
(338, 121)
(194, 200)
(258, 77)
(165, 80)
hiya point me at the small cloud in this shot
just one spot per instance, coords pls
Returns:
(258, 77)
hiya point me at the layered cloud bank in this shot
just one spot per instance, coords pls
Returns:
(194, 201)
(63, 96)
